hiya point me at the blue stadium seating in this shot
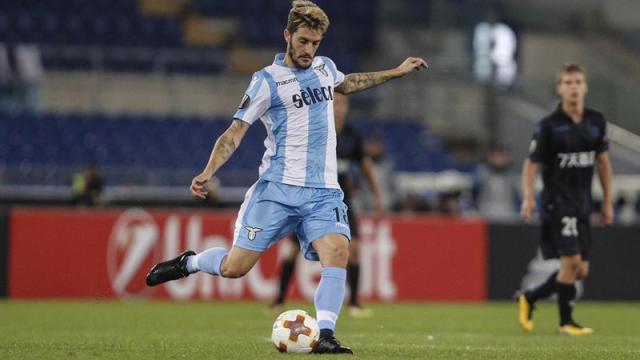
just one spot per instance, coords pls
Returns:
(157, 145)
(107, 23)
(85, 22)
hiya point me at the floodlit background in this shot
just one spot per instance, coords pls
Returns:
(142, 88)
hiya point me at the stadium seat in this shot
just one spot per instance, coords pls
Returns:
(157, 143)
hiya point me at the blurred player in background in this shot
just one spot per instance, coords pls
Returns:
(350, 153)
(298, 186)
(87, 186)
(566, 146)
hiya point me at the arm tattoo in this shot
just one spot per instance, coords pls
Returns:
(227, 144)
(361, 81)
(224, 148)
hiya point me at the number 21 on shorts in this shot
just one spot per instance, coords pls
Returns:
(569, 226)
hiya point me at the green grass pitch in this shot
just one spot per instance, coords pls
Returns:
(241, 330)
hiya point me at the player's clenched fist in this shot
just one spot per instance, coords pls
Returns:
(197, 186)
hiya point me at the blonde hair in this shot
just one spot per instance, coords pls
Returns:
(306, 13)
(568, 69)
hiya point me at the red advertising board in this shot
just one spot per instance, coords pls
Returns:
(61, 253)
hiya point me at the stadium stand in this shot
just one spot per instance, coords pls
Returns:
(82, 34)
(170, 44)
(127, 143)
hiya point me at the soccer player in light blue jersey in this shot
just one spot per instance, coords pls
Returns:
(298, 188)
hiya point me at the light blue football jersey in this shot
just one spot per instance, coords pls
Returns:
(296, 107)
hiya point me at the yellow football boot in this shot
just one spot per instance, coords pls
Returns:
(573, 329)
(524, 314)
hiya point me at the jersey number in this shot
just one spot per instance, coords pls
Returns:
(344, 216)
(569, 226)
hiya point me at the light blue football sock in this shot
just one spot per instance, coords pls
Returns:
(329, 297)
(208, 261)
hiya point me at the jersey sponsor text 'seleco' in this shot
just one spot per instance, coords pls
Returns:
(296, 107)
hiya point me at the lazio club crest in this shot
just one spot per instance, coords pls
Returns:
(253, 231)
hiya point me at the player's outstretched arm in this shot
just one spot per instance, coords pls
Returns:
(605, 174)
(224, 147)
(362, 81)
(529, 172)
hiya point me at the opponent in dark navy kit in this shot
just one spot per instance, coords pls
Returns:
(566, 146)
(350, 154)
